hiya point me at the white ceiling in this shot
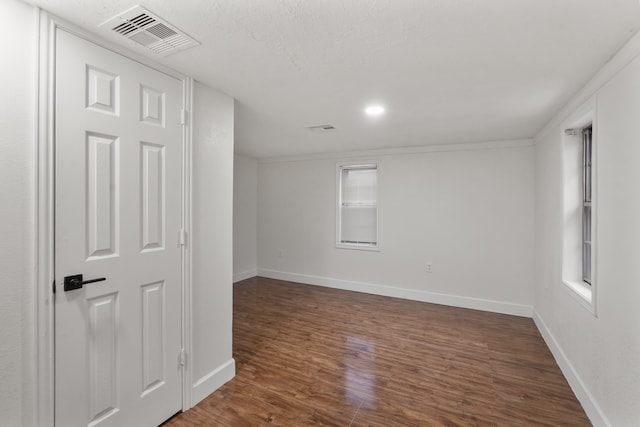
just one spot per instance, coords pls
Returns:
(448, 71)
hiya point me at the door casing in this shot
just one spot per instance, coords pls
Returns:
(43, 363)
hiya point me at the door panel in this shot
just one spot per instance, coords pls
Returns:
(118, 204)
(102, 195)
(152, 157)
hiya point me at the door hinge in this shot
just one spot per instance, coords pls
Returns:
(183, 116)
(182, 237)
(53, 286)
(182, 357)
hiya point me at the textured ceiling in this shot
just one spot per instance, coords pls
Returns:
(447, 71)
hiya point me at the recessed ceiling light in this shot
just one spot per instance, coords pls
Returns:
(374, 110)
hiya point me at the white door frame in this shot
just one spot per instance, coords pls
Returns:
(43, 312)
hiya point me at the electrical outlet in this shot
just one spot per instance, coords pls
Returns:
(428, 268)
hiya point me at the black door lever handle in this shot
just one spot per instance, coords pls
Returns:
(76, 282)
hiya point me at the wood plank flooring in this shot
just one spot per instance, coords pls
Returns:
(312, 356)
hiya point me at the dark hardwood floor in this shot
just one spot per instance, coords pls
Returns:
(308, 356)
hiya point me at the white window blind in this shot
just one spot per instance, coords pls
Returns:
(358, 205)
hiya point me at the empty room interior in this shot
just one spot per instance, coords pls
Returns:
(338, 213)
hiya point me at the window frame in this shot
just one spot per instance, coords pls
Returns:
(338, 204)
(573, 197)
(586, 134)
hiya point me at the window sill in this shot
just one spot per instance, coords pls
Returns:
(358, 247)
(582, 293)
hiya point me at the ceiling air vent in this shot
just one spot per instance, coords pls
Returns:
(149, 30)
(321, 128)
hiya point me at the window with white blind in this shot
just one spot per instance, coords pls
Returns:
(357, 213)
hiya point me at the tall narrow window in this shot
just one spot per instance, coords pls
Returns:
(358, 206)
(586, 203)
(580, 210)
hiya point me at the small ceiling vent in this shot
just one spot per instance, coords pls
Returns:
(321, 128)
(149, 30)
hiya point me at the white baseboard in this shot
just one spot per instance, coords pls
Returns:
(212, 381)
(410, 294)
(243, 275)
(587, 400)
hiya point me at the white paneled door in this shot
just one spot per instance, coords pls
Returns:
(118, 156)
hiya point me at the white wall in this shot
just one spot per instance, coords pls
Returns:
(599, 355)
(17, 144)
(211, 239)
(245, 217)
(468, 212)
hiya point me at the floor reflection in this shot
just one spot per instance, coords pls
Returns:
(359, 377)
